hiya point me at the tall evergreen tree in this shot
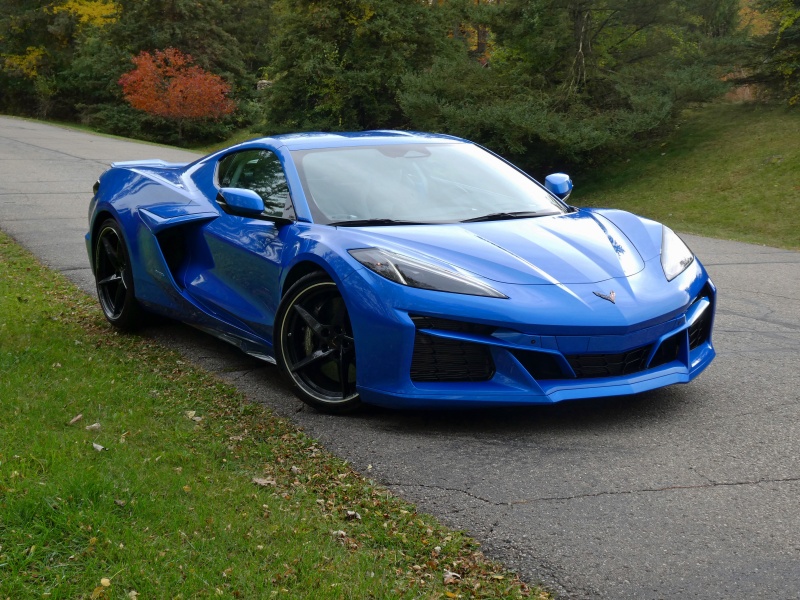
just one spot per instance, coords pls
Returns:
(338, 64)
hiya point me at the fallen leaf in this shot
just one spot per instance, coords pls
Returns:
(98, 447)
(76, 418)
(120, 502)
(353, 515)
(98, 592)
(450, 577)
(93, 427)
(263, 482)
(190, 414)
(133, 594)
(339, 533)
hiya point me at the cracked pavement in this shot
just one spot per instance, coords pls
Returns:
(689, 491)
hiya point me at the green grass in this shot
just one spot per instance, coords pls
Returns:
(169, 508)
(729, 171)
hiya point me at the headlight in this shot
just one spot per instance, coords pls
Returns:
(416, 273)
(675, 255)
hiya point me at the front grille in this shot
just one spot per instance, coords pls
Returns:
(442, 359)
(609, 365)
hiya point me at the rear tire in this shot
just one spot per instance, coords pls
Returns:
(314, 345)
(113, 277)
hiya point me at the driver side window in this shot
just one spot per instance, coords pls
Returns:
(261, 172)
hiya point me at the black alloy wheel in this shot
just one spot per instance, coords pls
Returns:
(114, 278)
(314, 345)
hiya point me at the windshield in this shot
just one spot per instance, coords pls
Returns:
(416, 183)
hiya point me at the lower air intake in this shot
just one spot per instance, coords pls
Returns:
(442, 359)
(609, 365)
(700, 330)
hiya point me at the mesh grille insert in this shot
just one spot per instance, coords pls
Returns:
(700, 330)
(441, 359)
(609, 365)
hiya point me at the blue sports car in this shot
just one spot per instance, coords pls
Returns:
(401, 269)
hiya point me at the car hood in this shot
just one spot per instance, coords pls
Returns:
(575, 248)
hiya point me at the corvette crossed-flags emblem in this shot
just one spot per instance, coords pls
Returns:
(611, 296)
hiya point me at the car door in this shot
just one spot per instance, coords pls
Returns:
(238, 277)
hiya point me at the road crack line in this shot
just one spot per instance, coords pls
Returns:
(710, 485)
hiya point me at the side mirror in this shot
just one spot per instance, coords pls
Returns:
(242, 202)
(559, 184)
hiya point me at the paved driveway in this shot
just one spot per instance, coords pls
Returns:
(688, 492)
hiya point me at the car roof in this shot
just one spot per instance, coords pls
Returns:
(314, 140)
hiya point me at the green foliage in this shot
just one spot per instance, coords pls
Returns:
(123, 120)
(779, 50)
(543, 81)
(30, 55)
(570, 80)
(339, 64)
(64, 58)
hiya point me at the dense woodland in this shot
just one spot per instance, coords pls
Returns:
(541, 81)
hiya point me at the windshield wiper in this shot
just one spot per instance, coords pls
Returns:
(503, 216)
(370, 222)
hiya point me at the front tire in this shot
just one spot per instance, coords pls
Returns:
(314, 345)
(113, 277)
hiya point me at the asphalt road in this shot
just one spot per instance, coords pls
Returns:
(688, 492)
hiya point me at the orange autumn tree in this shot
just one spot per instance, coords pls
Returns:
(168, 84)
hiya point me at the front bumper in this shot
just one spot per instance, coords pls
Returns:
(451, 362)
